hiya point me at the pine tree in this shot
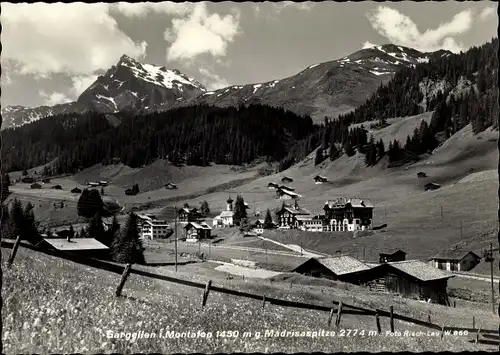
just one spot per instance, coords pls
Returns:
(333, 152)
(204, 208)
(30, 225)
(127, 246)
(319, 156)
(5, 187)
(240, 210)
(268, 221)
(348, 149)
(95, 229)
(17, 217)
(380, 149)
(89, 203)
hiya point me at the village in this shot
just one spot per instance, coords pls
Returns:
(392, 272)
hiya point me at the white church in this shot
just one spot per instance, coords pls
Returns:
(226, 218)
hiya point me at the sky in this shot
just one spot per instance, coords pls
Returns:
(53, 52)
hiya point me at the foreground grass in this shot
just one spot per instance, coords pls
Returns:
(51, 305)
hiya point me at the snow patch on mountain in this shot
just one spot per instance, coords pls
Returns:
(313, 66)
(256, 87)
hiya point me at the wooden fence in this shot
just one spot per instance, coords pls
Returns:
(341, 308)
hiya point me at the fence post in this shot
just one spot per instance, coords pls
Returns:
(442, 331)
(392, 318)
(14, 251)
(377, 318)
(477, 334)
(205, 293)
(330, 317)
(429, 317)
(473, 323)
(339, 315)
(263, 301)
(124, 278)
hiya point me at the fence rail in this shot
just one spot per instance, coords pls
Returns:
(344, 308)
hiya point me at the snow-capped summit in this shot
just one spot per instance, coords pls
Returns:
(134, 86)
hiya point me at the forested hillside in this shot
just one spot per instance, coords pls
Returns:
(461, 89)
(193, 135)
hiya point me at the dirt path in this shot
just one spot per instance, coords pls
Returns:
(295, 248)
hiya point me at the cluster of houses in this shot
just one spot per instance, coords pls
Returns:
(344, 214)
(393, 274)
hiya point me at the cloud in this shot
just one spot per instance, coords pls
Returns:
(74, 39)
(54, 98)
(400, 29)
(301, 6)
(487, 13)
(368, 44)
(211, 80)
(81, 83)
(143, 8)
(201, 33)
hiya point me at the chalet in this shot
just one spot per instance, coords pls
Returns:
(455, 260)
(287, 216)
(130, 192)
(318, 179)
(258, 226)
(171, 186)
(272, 186)
(342, 268)
(57, 187)
(226, 218)
(28, 180)
(309, 223)
(432, 186)
(187, 214)
(93, 184)
(103, 183)
(411, 278)
(348, 214)
(36, 186)
(392, 255)
(196, 231)
(284, 187)
(286, 180)
(287, 195)
(46, 180)
(86, 247)
(421, 174)
(155, 229)
(76, 190)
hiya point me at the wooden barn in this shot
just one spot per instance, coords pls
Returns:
(421, 174)
(431, 186)
(171, 186)
(36, 186)
(272, 186)
(318, 179)
(57, 187)
(28, 180)
(392, 255)
(85, 247)
(287, 194)
(76, 190)
(46, 180)
(196, 231)
(455, 260)
(342, 268)
(286, 180)
(411, 279)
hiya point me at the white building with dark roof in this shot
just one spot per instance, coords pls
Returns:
(226, 218)
(348, 214)
(154, 229)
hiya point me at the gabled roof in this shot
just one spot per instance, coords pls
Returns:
(341, 265)
(319, 177)
(392, 252)
(456, 254)
(198, 225)
(296, 211)
(289, 193)
(419, 270)
(432, 184)
(76, 244)
(226, 214)
(354, 201)
(304, 218)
